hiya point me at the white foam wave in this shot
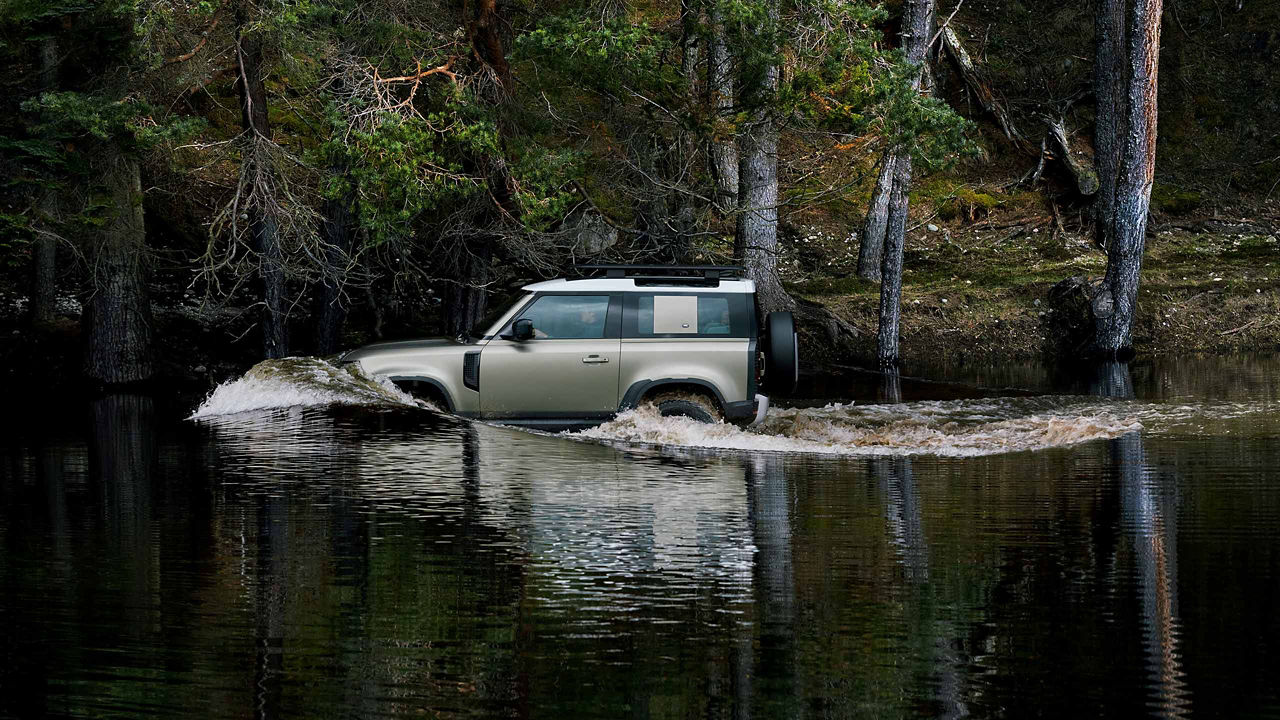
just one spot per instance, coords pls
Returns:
(951, 428)
(300, 382)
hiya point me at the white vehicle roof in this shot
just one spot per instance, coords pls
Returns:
(646, 285)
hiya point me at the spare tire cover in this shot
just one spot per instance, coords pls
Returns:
(781, 354)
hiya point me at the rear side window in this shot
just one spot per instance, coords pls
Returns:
(685, 315)
(558, 317)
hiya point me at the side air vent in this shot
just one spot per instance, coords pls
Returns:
(471, 370)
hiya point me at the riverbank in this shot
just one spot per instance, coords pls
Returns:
(972, 293)
(979, 293)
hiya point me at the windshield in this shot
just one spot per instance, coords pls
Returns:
(503, 306)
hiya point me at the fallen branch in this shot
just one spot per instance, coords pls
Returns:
(1083, 173)
(1246, 326)
(441, 70)
(199, 46)
(973, 79)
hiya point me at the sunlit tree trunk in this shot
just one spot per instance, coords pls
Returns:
(917, 27)
(1115, 305)
(117, 317)
(891, 264)
(263, 228)
(871, 249)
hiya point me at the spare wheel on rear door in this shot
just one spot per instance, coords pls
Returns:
(781, 353)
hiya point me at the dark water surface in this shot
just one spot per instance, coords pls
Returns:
(353, 562)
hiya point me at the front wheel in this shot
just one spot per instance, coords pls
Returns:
(691, 405)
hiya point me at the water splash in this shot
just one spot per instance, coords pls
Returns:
(300, 382)
(959, 428)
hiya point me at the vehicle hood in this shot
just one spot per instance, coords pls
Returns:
(442, 346)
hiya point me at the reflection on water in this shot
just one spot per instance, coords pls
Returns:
(1149, 518)
(397, 562)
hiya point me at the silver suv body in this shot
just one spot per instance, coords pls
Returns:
(576, 352)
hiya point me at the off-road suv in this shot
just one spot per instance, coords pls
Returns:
(577, 352)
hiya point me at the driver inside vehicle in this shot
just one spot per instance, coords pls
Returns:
(568, 320)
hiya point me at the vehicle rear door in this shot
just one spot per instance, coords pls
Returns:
(568, 370)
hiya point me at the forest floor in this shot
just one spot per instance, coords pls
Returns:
(978, 292)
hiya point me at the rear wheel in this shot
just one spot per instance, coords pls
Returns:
(687, 404)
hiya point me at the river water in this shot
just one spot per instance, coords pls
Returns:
(1007, 543)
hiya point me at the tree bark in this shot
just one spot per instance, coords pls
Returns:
(891, 265)
(44, 248)
(329, 312)
(482, 21)
(263, 229)
(871, 249)
(465, 301)
(118, 315)
(1109, 72)
(1115, 305)
(720, 88)
(757, 230)
(917, 28)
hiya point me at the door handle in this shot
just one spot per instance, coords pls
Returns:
(595, 359)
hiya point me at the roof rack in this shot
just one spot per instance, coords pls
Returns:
(700, 274)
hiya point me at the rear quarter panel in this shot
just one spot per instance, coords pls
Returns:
(723, 362)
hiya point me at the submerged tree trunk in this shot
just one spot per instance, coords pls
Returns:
(720, 88)
(917, 27)
(1115, 305)
(263, 229)
(871, 249)
(1110, 69)
(891, 265)
(118, 315)
(44, 248)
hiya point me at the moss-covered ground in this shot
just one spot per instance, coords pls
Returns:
(977, 291)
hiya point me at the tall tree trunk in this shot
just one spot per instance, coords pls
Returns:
(264, 229)
(1115, 305)
(871, 249)
(757, 227)
(465, 300)
(44, 249)
(891, 264)
(917, 28)
(1110, 69)
(329, 313)
(682, 208)
(118, 315)
(720, 88)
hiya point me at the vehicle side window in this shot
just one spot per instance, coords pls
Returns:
(676, 315)
(713, 315)
(557, 317)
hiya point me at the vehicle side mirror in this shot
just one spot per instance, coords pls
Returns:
(522, 330)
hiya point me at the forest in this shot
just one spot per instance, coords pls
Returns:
(190, 186)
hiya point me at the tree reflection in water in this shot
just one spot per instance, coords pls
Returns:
(1148, 512)
(904, 525)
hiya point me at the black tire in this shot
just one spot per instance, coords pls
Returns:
(695, 406)
(781, 353)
